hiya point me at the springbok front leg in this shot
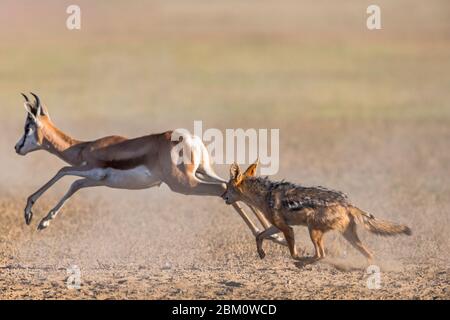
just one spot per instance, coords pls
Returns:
(75, 186)
(85, 172)
(253, 228)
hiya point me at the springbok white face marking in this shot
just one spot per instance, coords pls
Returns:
(29, 141)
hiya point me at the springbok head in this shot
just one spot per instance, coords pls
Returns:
(32, 137)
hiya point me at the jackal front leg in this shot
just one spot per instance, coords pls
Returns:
(280, 223)
(263, 235)
(273, 236)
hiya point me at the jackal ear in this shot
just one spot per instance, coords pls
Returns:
(251, 170)
(235, 171)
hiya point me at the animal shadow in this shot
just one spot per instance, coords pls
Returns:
(302, 262)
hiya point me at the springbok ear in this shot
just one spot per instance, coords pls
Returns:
(44, 111)
(251, 170)
(31, 111)
(235, 171)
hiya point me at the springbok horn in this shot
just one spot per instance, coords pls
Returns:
(26, 98)
(38, 102)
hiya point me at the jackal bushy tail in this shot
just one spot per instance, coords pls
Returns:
(379, 227)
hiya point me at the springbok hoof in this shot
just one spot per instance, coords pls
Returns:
(28, 216)
(44, 224)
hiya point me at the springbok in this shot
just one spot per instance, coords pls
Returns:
(122, 163)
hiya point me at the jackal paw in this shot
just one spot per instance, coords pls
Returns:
(296, 256)
(316, 257)
(261, 253)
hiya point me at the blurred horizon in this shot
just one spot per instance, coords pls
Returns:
(314, 59)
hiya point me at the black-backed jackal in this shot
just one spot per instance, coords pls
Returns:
(285, 204)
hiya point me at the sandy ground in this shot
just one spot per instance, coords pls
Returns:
(159, 245)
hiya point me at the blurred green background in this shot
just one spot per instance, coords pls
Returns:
(170, 62)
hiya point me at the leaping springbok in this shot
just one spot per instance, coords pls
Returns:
(122, 163)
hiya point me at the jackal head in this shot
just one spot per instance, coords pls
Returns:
(236, 186)
(32, 137)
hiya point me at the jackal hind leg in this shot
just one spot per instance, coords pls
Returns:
(322, 246)
(351, 236)
(316, 236)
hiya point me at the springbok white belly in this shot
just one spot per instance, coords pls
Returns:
(137, 178)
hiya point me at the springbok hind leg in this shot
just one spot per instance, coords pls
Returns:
(205, 172)
(76, 185)
(195, 186)
(252, 226)
(267, 225)
(261, 218)
(255, 230)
